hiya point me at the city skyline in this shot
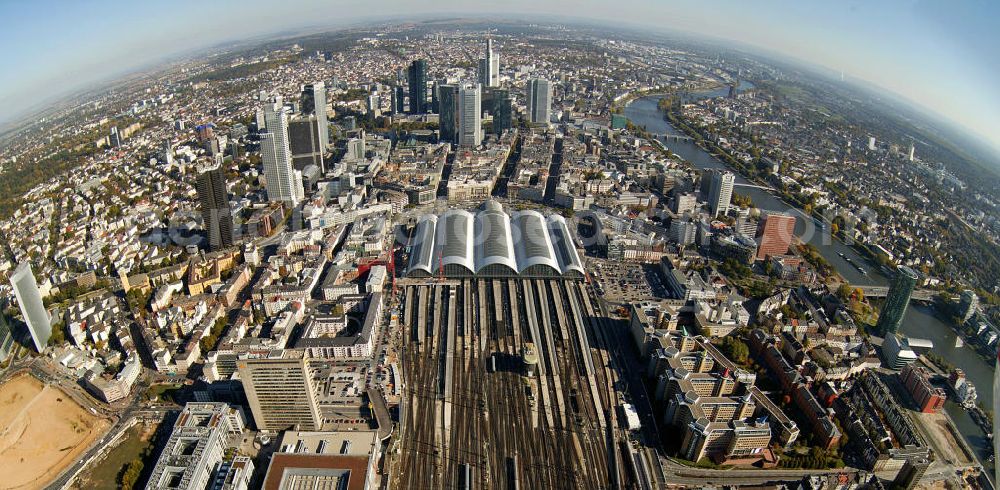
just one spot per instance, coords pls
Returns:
(910, 48)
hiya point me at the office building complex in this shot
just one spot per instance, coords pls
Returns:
(489, 67)
(539, 101)
(216, 215)
(774, 234)
(470, 130)
(282, 183)
(196, 446)
(417, 74)
(896, 301)
(503, 112)
(448, 115)
(313, 102)
(305, 142)
(29, 298)
(720, 191)
(280, 390)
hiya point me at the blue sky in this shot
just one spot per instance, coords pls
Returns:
(940, 54)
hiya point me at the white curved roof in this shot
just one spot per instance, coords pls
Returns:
(532, 244)
(562, 242)
(518, 241)
(494, 243)
(422, 245)
(454, 237)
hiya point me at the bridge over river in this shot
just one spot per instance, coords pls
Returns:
(882, 291)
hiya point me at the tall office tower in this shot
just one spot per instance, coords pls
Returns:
(215, 211)
(374, 104)
(503, 112)
(277, 158)
(417, 75)
(280, 390)
(489, 67)
(774, 234)
(29, 298)
(897, 300)
(305, 142)
(398, 100)
(539, 101)
(968, 304)
(470, 114)
(871, 143)
(721, 192)
(313, 101)
(448, 118)
(911, 473)
(911, 154)
(6, 333)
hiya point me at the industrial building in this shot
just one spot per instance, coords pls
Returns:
(493, 243)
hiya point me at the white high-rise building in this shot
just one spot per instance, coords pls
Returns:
(313, 101)
(489, 67)
(29, 298)
(539, 101)
(277, 157)
(470, 127)
(721, 192)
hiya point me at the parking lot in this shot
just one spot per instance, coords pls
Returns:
(622, 282)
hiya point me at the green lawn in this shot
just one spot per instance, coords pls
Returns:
(105, 473)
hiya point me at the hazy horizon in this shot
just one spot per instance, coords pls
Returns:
(938, 57)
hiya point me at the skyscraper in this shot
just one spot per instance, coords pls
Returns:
(216, 214)
(280, 390)
(448, 117)
(313, 102)
(6, 333)
(720, 192)
(305, 142)
(539, 101)
(277, 157)
(470, 127)
(489, 67)
(417, 75)
(897, 300)
(503, 112)
(968, 304)
(774, 234)
(29, 298)
(398, 100)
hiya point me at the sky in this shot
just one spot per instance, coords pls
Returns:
(940, 54)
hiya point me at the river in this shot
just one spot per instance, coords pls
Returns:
(919, 321)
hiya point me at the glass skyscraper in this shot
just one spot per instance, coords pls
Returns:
(897, 300)
(29, 298)
(417, 75)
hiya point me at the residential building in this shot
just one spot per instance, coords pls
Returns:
(196, 446)
(774, 234)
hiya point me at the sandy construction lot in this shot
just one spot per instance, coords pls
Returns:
(42, 431)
